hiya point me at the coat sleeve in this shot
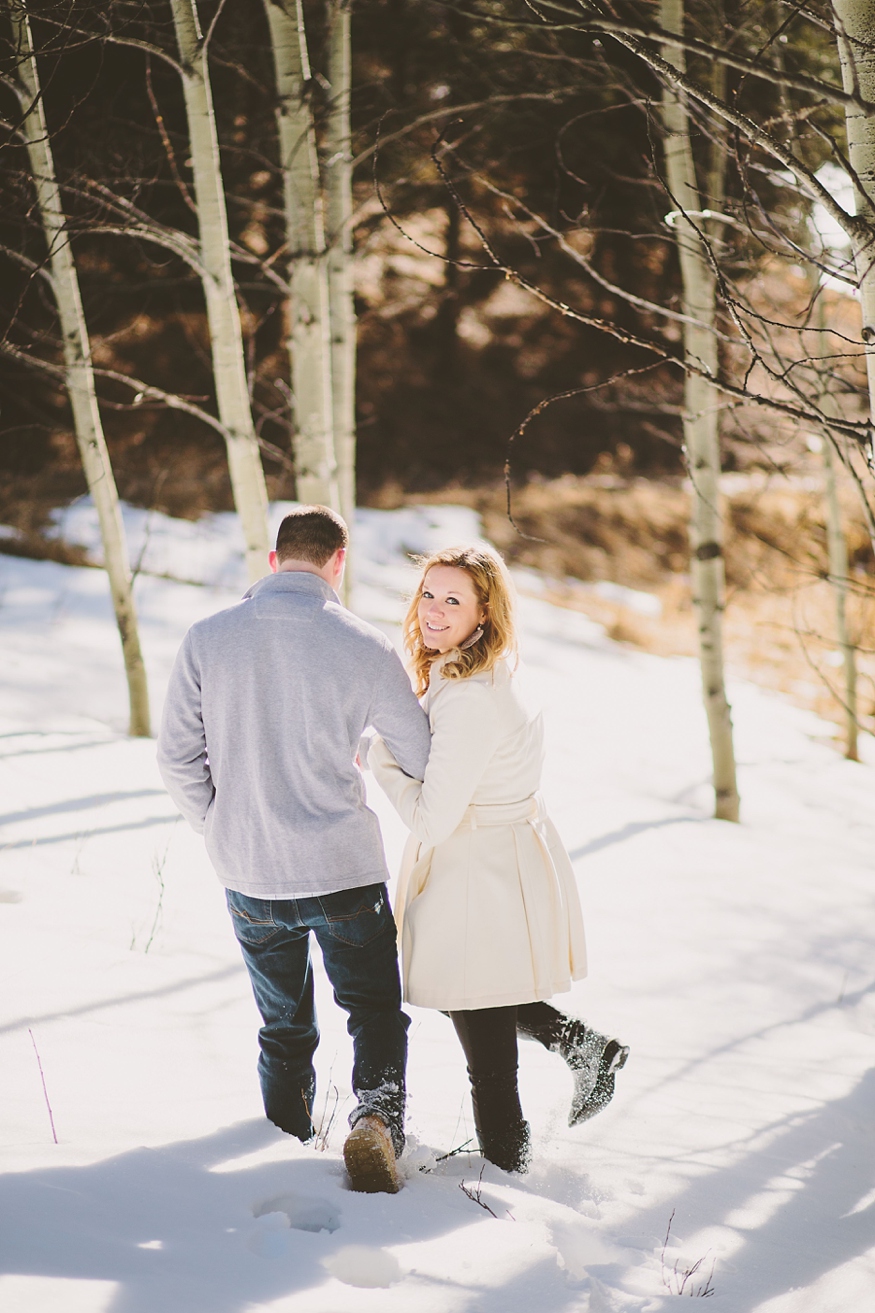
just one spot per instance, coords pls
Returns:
(397, 716)
(465, 733)
(182, 747)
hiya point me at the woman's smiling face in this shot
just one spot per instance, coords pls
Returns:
(449, 609)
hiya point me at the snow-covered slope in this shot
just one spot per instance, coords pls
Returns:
(736, 962)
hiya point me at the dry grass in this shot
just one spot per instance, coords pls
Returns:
(780, 620)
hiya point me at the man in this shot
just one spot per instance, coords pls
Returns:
(266, 704)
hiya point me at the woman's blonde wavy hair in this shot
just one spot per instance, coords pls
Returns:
(494, 590)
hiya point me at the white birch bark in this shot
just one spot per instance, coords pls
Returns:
(837, 544)
(855, 23)
(838, 577)
(309, 336)
(701, 434)
(223, 315)
(338, 189)
(79, 370)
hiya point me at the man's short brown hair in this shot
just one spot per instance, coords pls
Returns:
(311, 533)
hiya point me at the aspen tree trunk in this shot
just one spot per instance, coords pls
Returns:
(223, 315)
(855, 21)
(838, 577)
(837, 545)
(310, 332)
(338, 189)
(79, 371)
(701, 435)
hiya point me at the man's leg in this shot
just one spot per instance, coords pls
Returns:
(356, 932)
(276, 950)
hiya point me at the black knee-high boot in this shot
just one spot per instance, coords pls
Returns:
(488, 1036)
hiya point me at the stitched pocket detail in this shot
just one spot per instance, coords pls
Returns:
(253, 922)
(358, 916)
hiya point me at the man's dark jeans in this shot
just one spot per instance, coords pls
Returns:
(356, 933)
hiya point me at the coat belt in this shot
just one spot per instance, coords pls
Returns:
(528, 811)
(503, 813)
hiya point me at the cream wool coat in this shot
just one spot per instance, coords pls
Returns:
(487, 903)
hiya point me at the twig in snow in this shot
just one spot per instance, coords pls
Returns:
(475, 1194)
(676, 1278)
(158, 864)
(45, 1091)
(74, 869)
(442, 1157)
(158, 868)
(322, 1134)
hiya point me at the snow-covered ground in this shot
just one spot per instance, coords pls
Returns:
(737, 962)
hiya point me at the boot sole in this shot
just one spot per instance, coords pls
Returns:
(370, 1169)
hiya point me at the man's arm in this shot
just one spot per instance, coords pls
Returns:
(399, 719)
(182, 748)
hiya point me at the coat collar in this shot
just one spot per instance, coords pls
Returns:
(436, 667)
(293, 581)
(435, 673)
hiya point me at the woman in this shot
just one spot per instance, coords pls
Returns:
(487, 904)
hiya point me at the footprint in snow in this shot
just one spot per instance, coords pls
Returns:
(275, 1218)
(579, 1247)
(359, 1265)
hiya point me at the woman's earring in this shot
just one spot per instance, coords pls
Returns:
(475, 637)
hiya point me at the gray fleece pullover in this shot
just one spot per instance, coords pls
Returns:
(266, 704)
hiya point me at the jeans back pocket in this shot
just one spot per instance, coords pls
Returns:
(252, 918)
(357, 916)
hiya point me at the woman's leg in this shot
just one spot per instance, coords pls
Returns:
(541, 1022)
(488, 1037)
(593, 1058)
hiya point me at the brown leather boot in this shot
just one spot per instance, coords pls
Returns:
(370, 1157)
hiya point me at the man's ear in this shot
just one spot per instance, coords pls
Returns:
(272, 562)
